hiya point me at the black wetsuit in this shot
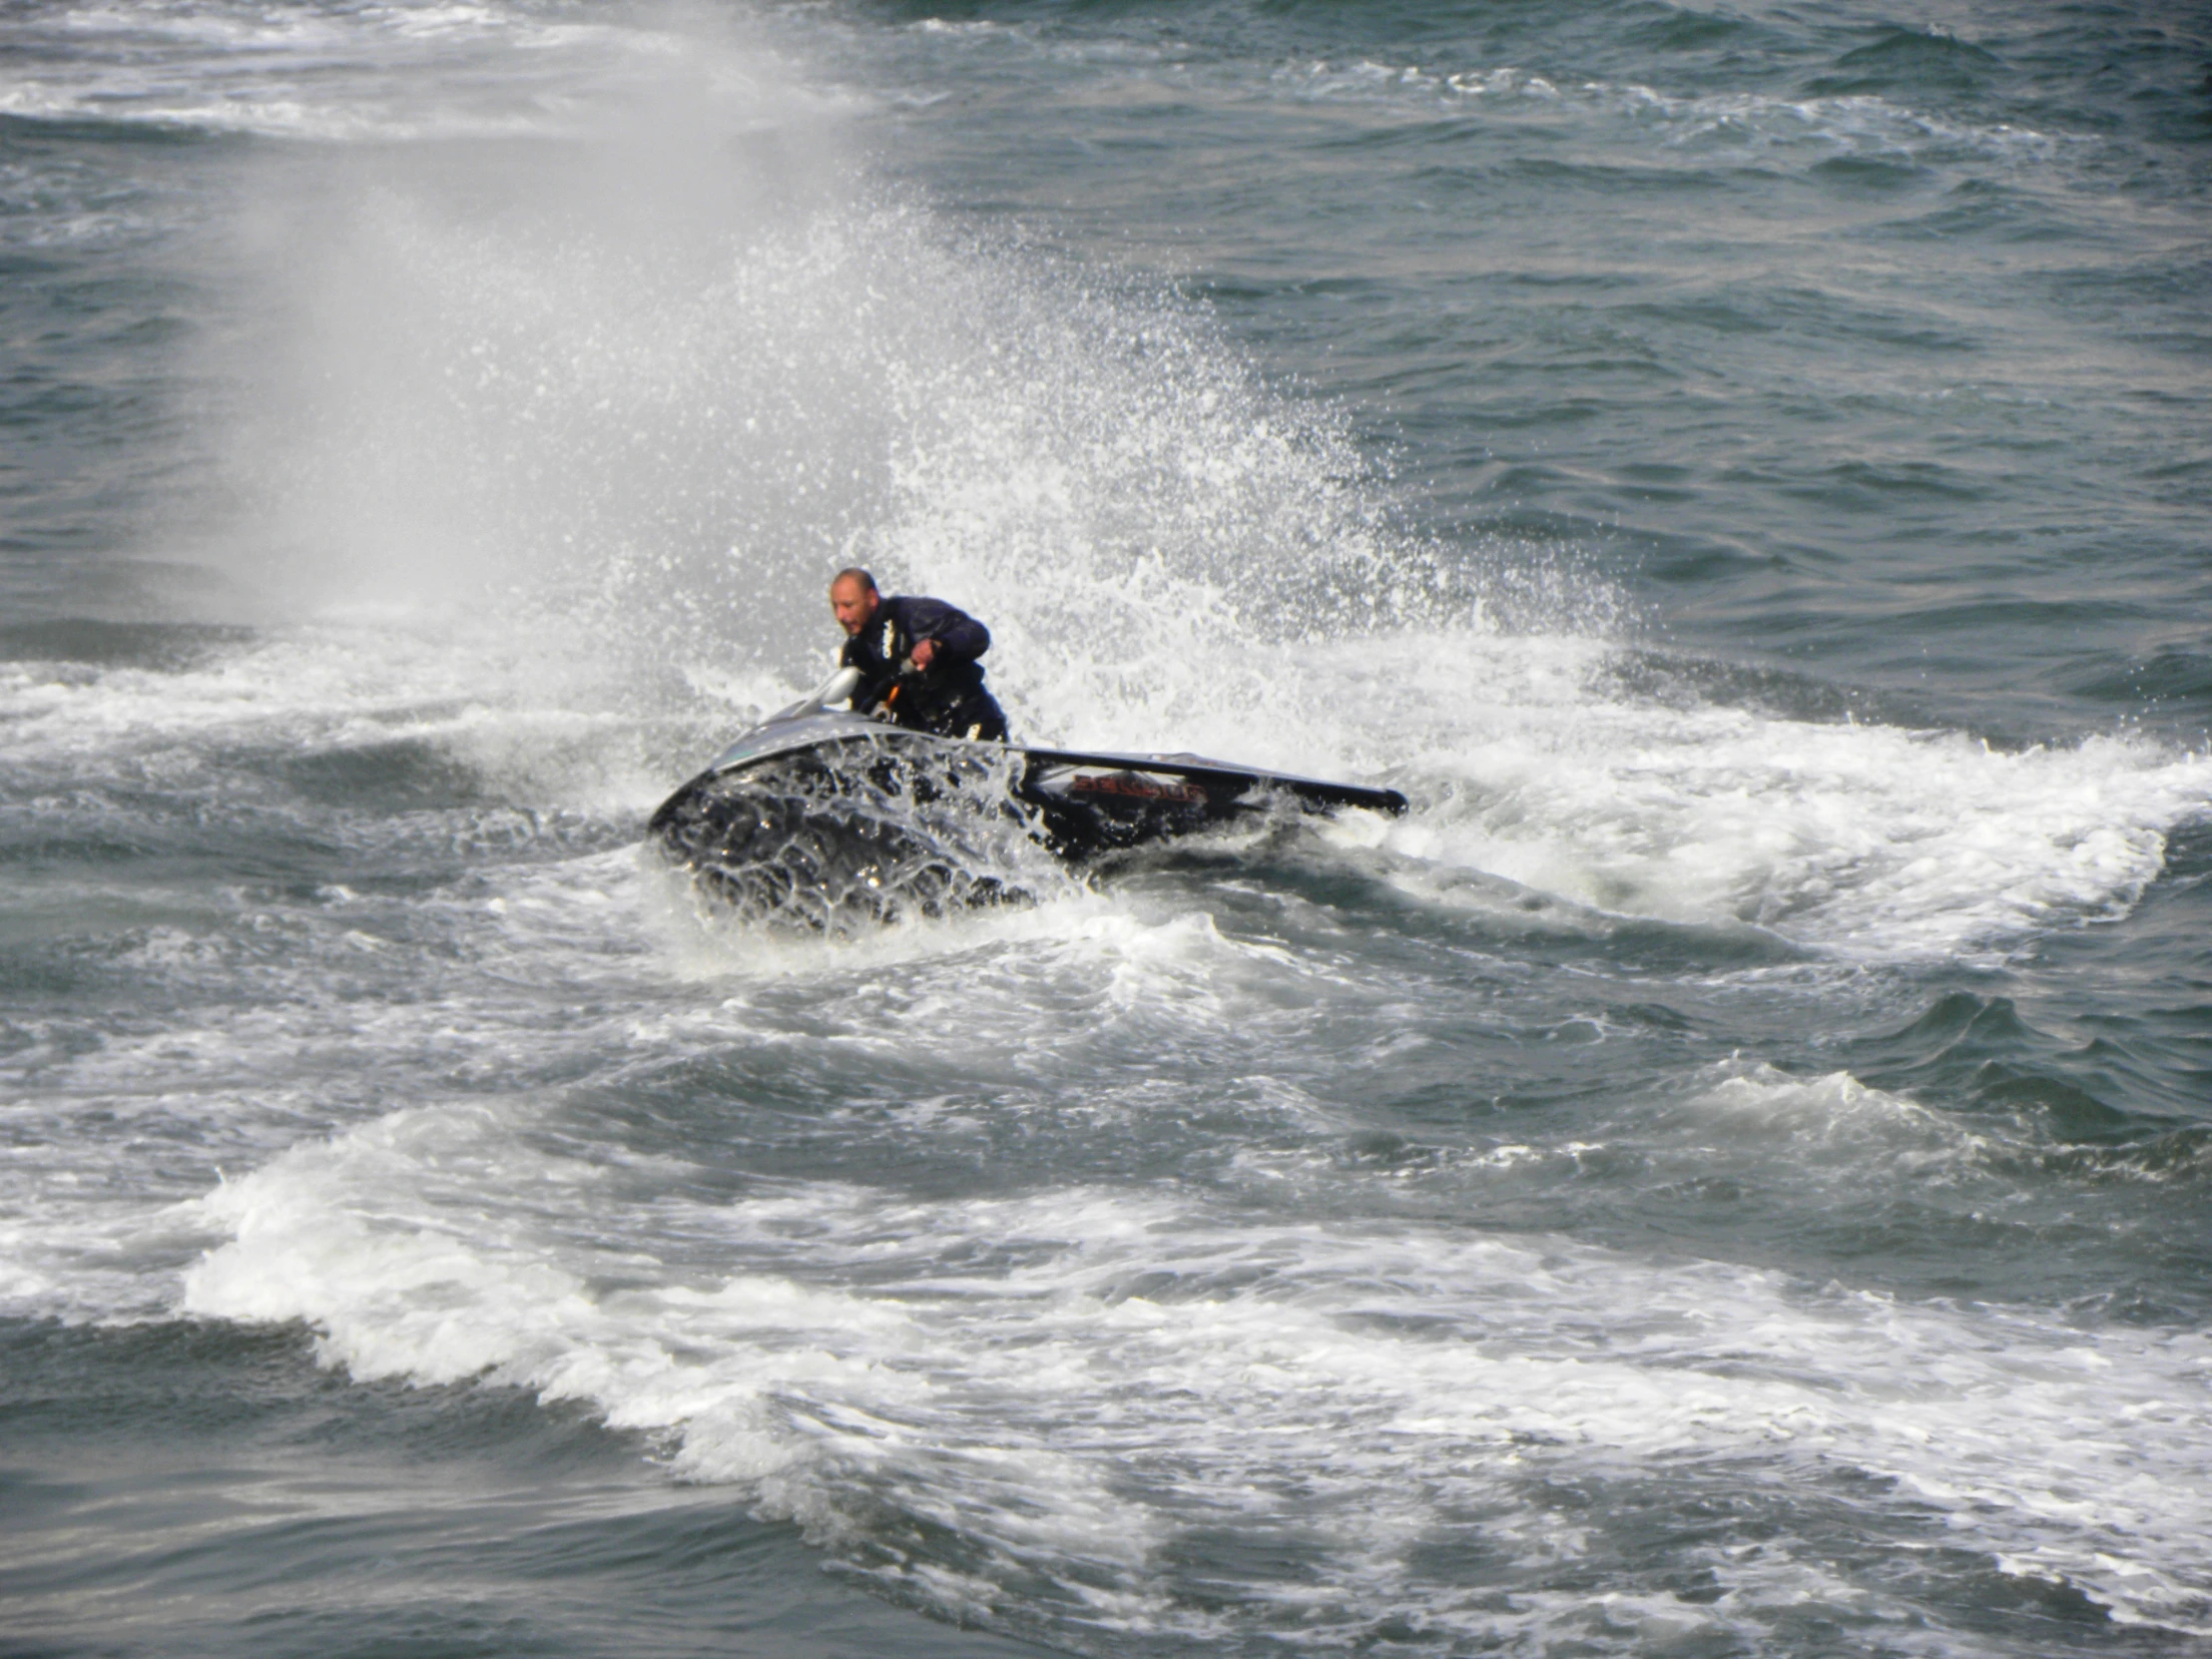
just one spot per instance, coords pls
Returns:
(946, 698)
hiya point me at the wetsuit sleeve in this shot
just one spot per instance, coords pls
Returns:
(957, 634)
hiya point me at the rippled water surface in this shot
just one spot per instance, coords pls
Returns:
(1730, 1172)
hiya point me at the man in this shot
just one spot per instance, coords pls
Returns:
(917, 659)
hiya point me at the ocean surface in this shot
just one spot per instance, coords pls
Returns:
(1728, 1173)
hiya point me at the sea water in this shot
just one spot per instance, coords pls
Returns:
(1729, 1172)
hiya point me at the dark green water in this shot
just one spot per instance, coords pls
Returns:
(1728, 1173)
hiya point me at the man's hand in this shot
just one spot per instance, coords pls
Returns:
(923, 653)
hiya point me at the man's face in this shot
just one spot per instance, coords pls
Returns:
(854, 602)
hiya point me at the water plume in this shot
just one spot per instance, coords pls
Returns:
(611, 402)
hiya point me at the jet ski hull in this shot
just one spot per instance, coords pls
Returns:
(820, 819)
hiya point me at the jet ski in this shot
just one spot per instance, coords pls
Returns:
(821, 817)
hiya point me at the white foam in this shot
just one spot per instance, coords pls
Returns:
(1863, 840)
(395, 73)
(1135, 1368)
(1774, 126)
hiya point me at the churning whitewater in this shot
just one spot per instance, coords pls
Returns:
(1727, 1171)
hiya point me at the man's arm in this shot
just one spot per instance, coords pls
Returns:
(943, 630)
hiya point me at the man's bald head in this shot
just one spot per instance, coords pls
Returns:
(853, 599)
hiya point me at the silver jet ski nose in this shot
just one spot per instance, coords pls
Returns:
(835, 689)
